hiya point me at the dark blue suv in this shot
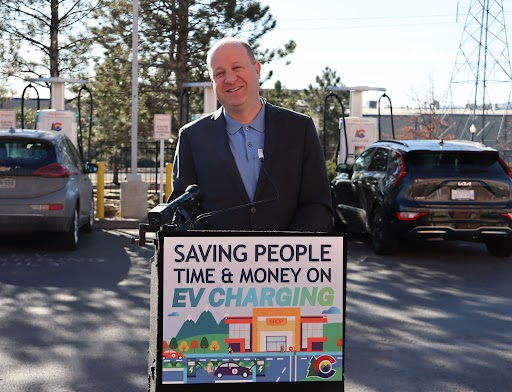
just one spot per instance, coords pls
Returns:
(429, 189)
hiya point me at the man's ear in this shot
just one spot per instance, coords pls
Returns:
(258, 68)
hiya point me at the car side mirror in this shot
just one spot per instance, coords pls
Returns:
(91, 167)
(342, 168)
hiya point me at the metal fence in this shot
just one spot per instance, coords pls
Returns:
(117, 161)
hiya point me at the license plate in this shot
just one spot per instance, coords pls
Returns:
(7, 182)
(463, 194)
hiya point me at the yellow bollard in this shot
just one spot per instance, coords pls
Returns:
(168, 181)
(100, 191)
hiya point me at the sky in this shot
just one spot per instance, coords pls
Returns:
(394, 44)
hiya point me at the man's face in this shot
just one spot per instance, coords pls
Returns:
(234, 78)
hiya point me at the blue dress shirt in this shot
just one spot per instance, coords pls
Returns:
(245, 140)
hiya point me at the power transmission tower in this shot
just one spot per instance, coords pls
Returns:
(481, 81)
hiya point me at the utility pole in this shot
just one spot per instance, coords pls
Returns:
(481, 80)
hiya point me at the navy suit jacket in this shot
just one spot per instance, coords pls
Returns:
(293, 160)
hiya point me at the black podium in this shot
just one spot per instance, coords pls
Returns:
(246, 311)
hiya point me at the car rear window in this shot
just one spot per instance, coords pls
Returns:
(450, 162)
(20, 154)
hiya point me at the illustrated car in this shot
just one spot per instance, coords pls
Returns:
(171, 354)
(443, 189)
(232, 369)
(44, 186)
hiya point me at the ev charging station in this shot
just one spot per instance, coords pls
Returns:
(7, 119)
(209, 105)
(356, 131)
(62, 121)
(57, 119)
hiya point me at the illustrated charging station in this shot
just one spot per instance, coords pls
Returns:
(355, 131)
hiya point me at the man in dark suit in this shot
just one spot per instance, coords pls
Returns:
(250, 151)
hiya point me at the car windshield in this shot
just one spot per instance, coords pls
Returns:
(25, 154)
(449, 162)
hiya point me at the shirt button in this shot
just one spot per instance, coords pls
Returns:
(253, 210)
(249, 144)
(247, 128)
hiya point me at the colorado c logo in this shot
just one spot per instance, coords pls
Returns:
(57, 126)
(323, 366)
(360, 133)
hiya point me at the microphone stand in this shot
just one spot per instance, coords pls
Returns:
(159, 223)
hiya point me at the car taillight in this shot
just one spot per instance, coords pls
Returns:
(509, 215)
(48, 207)
(505, 166)
(409, 216)
(403, 170)
(52, 170)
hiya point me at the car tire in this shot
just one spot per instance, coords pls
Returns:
(245, 374)
(70, 237)
(382, 239)
(498, 247)
(337, 225)
(90, 223)
(219, 375)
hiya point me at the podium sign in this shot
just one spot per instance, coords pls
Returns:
(265, 310)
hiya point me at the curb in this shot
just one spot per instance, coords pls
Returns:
(110, 224)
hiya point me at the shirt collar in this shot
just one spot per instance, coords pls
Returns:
(258, 124)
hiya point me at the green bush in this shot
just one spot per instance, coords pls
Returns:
(331, 169)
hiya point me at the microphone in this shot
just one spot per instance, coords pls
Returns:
(164, 212)
(254, 203)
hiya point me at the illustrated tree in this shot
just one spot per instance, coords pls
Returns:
(173, 344)
(165, 346)
(215, 346)
(194, 345)
(339, 343)
(184, 346)
(204, 343)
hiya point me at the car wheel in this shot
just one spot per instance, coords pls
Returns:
(90, 223)
(244, 374)
(219, 375)
(498, 247)
(382, 238)
(70, 237)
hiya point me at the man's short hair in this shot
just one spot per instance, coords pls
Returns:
(229, 40)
